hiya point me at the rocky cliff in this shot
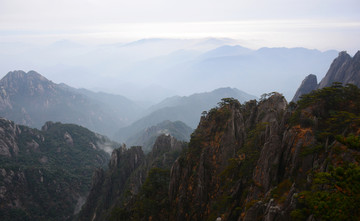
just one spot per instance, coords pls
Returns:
(118, 193)
(46, 175)
(265, 160)
(344, 69)
(147, 137)
(307, 85)
(271, 161)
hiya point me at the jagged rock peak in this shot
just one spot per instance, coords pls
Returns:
(337, 71)
(357, 56)
(166, 142)
(47, 125)
(19, 74)
(344, 69)
(275, 102)
(307, 85)
(343, 54)
(133, 156)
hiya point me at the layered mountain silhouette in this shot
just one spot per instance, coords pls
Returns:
(187, 109)
(344, 69)
(31, 99)
(169, 66)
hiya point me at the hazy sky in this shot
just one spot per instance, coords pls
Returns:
(322, 24)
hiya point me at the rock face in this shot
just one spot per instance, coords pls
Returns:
(250, 162)
(307, 85)
(196, 180)
(45, 175)
(31, 99)
(344, 69)
(262, 160)
(120, 186)
(108, 187)
(147, 137)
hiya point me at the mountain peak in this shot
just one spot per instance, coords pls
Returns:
(343, 54)
(27, 84)
(342, 70)
(307, 85)
(22, 75)
(357, 56)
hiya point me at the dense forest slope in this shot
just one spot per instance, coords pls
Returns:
(46, 175)
(263, 160)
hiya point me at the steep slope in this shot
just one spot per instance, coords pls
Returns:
(262, 160)
(225, 137)
(121, 192)
(46, 175)
(146, 138)
(344, 69)
(307, 85)
(267, 162)
(186, 109)
(30, 99)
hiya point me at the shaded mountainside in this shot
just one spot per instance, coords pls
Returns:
(123, 190)
(146, 138)
(307, 85)
(187, 109)
(31, 99)
(266, 162)
(262, 160)
(344, 69)
(46, 175)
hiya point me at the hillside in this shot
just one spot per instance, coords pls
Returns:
(264, 160)
(31, 99)
(146, 138)
(187, 109)
(46, 175)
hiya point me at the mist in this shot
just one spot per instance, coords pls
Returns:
(150, 70)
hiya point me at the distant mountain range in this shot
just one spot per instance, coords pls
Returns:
(344, 69)
(153, 69)
(187, 109)
(31, 99)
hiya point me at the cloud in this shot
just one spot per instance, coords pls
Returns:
(291, 22)
(58, 12)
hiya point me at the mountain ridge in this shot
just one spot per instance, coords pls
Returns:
(263, 160)
(187, 109)
(344, 69)
(31, 99)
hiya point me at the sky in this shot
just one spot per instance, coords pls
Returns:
(321, 24)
